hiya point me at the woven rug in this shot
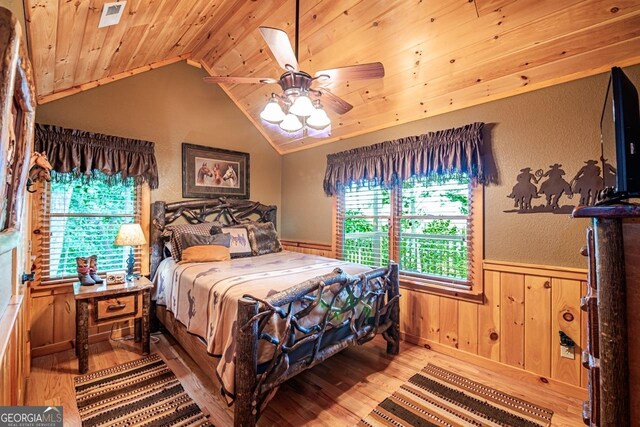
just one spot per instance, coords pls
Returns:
(141, 393)
(436, 397)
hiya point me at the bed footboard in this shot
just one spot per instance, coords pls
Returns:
(321, 317)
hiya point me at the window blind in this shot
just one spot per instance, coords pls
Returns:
(422, 224)
(365, 225)
(433, 218)
(79, 219)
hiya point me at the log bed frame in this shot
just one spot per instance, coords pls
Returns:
(376, 290)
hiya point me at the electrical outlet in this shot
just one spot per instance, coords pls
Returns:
(567, 352)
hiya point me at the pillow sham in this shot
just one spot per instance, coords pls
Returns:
(240, 246)
(199, 248)
(175, 231)
(263, 238)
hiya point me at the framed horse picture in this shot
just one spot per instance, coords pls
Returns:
(213, 172)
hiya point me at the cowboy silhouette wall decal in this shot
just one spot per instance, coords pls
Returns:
(588, 183)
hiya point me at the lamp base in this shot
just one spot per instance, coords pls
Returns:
(130, 264)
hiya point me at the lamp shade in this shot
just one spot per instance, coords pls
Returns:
(291, 123)
(302, 106)
(272, 112)
(318, 119)
(130, 235)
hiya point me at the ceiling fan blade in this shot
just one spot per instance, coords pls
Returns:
(280, 46)
(333, 102)
(239, 80)
(373, 70)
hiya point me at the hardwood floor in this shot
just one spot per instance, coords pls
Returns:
(337, 393)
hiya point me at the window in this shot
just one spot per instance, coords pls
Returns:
(423, 225)
(367, 215)
(80, 219)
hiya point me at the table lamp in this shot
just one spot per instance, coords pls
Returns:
(130, 235)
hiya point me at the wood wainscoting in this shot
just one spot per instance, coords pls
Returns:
(53, 321)
(14, 359)
(321, 249)
(525, 307)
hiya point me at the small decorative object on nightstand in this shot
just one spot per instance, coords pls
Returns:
(102, 305)
(130, 235)
(116, 277)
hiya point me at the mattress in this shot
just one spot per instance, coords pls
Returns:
(204, 297)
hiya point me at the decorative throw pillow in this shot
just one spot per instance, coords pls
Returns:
(240, 246)
(175, 231)
(198, 248)
(263, 238)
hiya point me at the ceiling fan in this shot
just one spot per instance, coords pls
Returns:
(298, 87)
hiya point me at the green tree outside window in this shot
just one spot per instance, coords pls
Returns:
(84, 220)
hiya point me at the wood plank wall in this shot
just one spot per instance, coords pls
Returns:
(14, 358)
(53, 321)
(319, 249)
(517, 326)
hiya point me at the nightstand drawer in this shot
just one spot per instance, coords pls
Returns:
(115, 307)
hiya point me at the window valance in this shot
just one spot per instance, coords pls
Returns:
(445, 152)
(77, 153)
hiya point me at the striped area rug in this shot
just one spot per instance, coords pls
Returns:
(436, 397)
(141, 393)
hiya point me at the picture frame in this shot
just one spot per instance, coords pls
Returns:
(210, 172)
(16, 131)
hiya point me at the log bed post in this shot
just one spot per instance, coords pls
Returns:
(393, 333)
(155, 235)
(246, 405)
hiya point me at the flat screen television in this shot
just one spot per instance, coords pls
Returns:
(626, 116)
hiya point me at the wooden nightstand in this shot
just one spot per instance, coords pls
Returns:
(102, 304)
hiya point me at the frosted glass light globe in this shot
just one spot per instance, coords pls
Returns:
(272, 112)
(302, 106)
(291, 123)
(318, 119)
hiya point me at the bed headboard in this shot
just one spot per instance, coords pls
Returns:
(227, 211)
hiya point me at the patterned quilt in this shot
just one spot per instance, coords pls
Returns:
(204, 296)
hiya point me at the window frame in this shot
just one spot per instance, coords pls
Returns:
(39, 222)
(475, 236)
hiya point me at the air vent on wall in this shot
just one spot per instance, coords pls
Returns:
(111, 13)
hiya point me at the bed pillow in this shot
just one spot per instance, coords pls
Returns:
(199, 248)
(240, 246)
(173, 232)
(263, 238)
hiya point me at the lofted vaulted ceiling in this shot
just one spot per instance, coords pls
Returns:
(439, 55)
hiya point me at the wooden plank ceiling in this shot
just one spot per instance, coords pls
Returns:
(439, 55)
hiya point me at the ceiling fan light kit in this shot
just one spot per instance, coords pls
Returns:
(294, 110)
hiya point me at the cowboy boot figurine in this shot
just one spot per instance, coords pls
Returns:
(93, 269)
(83, 272)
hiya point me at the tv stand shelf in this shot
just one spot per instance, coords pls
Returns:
(608, 211)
